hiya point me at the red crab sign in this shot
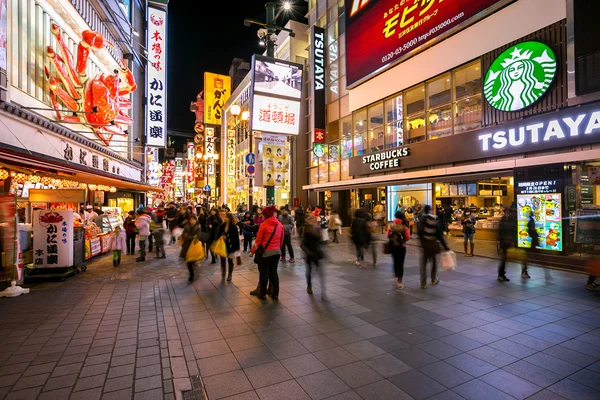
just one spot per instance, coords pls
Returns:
(98, 102)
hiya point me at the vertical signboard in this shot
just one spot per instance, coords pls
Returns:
(231, 152)
(217, 89)
(53, 239)
(318, 43)
(275, 160)
(157, 83)
(210, 150)
(190, 164)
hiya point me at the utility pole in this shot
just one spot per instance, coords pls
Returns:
(271, 28)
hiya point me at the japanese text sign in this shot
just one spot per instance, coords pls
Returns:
(52, 238)
(217, 89)
(274, 115)
(381, 33)
(157, 88)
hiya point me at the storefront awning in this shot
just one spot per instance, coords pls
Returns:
(40, 163)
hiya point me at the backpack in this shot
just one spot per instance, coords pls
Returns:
(397, 235)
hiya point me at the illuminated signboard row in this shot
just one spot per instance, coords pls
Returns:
(381, 33)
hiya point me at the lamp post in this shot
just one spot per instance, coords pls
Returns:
(270, 26)
(240, 120)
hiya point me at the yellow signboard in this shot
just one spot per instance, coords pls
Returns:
(217, 89)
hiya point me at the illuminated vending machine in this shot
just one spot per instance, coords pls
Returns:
(539, 197)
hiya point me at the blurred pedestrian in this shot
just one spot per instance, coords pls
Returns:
(231, 233)
(118, 244)
(247, 220)
(335, 224)
(506, 240)
(288, 223)
(311, 246)
(213, 223)
(430, 234)
(468, 229)
(398, 234)
(191, 230)
(130, 232)
(360, 236)
(300, 217)
(142, 223)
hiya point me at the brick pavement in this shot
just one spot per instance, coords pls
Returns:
(140, 331)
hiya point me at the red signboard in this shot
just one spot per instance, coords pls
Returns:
(319, 136)
(380, 33)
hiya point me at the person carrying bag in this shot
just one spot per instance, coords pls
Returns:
(267, 251)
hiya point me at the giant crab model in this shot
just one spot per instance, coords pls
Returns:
(97, 102)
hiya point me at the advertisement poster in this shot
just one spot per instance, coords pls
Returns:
(157, 78)
(217, 89)
(587, 227)
(277, 78)
(275, 160)
(546, 212)
(52, 239)
(381, 33)
(274, 115)
(3, 28)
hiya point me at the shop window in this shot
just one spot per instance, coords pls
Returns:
(314, 175)
(333, 131)
(438, 91)
(394, 135)
(334, 171)
(394, 109)
(332, 32)
(468, 114)
(439, 116)
(468, 106)
(375, 127)
(332, 92)
(360, 132)
(324, 173)
(332, 72)
(333, 13)
(360, 143)
(414, 100)
(467, 80)
(345, 173)
(346, 142)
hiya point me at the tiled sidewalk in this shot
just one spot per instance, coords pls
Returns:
(141, 332)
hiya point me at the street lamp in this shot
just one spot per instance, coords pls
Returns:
(242, 123)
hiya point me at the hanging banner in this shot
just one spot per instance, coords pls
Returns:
(157, 78)
(210, 150)
(217, 89)
(231, 152)
(275, 160)
(52, 239)
(190, 164)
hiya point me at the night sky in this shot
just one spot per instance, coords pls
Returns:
(201, 40)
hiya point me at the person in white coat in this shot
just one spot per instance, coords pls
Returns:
(118, 244)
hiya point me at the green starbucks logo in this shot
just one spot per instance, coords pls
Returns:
(520, 76)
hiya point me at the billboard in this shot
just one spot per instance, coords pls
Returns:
(277, 78)
(275, 160)
(217, 89)
(381, 33)
(275, 115)
(156, 110)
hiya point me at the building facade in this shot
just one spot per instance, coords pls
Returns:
(482, 105)
(59, 60)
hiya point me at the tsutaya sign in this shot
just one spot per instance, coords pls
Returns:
(554, 129)
(574, 126)
(520, 76)
(385, 160)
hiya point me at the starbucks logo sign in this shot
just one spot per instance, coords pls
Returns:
(520, 76)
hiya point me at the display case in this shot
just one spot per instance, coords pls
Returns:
(110, 222)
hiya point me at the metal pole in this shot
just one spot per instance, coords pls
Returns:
(270, 28)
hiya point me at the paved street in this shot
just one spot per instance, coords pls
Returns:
(141, 331)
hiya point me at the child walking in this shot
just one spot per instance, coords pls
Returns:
(118, 244)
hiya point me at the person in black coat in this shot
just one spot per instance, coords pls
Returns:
(213, 223)
(230, 230)
(311, 246)
(360, 236)
(247, 220)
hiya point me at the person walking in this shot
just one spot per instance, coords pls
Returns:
(270, 237)
(118, 244)
(130, 232)
(311, 246)
(300, 217)
(258, 216)
(410, 217)
(506, 237)
(230, 230)
(142, 223)
(191, 230)
(535, 242)
(335, 224)
(468, 229)
(247, 220)
(288, 223)
(360, 236)
(430, 235)
(171, 220)
(213, 223)
(398, 234)
(158, 232)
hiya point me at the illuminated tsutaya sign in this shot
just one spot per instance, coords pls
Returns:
(556, 129)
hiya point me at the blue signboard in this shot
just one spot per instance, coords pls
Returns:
(250, 158)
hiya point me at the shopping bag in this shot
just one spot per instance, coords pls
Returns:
(219, 248)
(324, 235)
(449, 260)
(516, 255)
(196, 251)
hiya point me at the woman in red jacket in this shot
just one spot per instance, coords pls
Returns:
(270, 237)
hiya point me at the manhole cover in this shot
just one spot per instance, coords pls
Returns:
(197, 392)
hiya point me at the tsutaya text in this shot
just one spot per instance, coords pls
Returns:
(387, 159)
(549, 131)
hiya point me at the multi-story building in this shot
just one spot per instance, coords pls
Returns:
(462, 104)
(234, 178)
(237, 71)
(73, 97)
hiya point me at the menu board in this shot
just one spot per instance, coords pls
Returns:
(462, 189)
(453, 190)
(472, 189)
(546, 212)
